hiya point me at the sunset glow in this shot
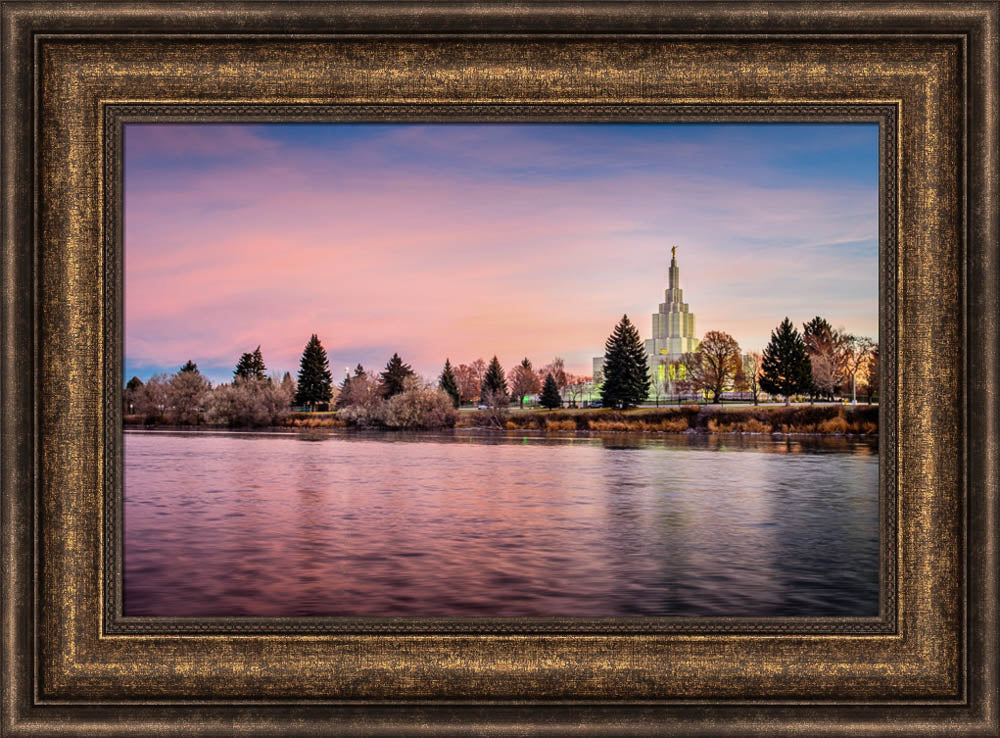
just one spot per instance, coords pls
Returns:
(465, 241)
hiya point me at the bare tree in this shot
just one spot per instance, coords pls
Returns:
(576, 386)
(470, 379)
(856, 353)
(660, 379)
(827, 350)
(496, 402)
(185, 397)
(479, 369)
(871, 374)
(523, 381)
(751, 374)
(557, 368)
(680, 383)
(151, 398)
(713, 367)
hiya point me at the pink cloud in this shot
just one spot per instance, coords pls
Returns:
(271, 251)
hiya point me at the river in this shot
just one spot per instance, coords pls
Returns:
(468, 523)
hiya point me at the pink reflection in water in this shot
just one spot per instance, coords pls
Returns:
(298, 524)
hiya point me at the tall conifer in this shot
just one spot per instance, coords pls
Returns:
(550, 393)
(626, 372)
(250, 366)
(449, 384)
(315, 385)
(394, 376)
(785, 368)
(494, 381)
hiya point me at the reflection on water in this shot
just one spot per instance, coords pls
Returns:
(460, 524)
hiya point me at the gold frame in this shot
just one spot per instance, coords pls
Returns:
(69, 69)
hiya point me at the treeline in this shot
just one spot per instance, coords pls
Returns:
(396, 397)
(820, 362)
(187, 398)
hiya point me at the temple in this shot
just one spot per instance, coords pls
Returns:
(673, 324)
(673, 332)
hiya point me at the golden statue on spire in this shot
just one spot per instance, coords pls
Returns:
(673, 252)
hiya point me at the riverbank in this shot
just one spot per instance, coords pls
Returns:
(817, 419)
(857, 420)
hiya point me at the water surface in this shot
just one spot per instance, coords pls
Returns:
(467, 524)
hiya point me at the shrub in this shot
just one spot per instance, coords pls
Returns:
(249, 402)
(560, 425)
(362, 403)
(755, 426)
(837, 424)
(370, 415)
(186, 395)
(321, 421)
(420, 408)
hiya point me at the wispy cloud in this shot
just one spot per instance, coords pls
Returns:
(465, 241)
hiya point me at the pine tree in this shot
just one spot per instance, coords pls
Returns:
(260, 371)
(250, 366)
(289, 387)
(315, 385)
(449, 384)
(550, 393)
(344, 394)
(394, 376)
(626, 373)
(494, 381)
(786, 369)
(817, 327)
(190, 366)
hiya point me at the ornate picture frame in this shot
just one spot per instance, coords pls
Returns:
(74, 73)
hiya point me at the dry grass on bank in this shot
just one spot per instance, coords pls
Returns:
(821, 419)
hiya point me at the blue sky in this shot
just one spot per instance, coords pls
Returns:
(465, 240)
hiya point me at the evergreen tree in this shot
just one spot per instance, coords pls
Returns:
(344, 393)
(494, 381)
(288, 387)
(250, 366)
(394, 376)
(550, 393)
(132, 391)
(785, 368)
(818, 328)
(344, 396)
(315, 385)
(190, 366)
(449, 384)
(626, 372)
(244, 367)
(260, 371)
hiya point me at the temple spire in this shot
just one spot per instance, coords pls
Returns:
(674, 281)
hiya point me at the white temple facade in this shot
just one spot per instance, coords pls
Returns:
(673, 334)
(673, 327)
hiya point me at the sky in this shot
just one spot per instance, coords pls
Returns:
(469, 240)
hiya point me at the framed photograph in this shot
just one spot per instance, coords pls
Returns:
(566, 368)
